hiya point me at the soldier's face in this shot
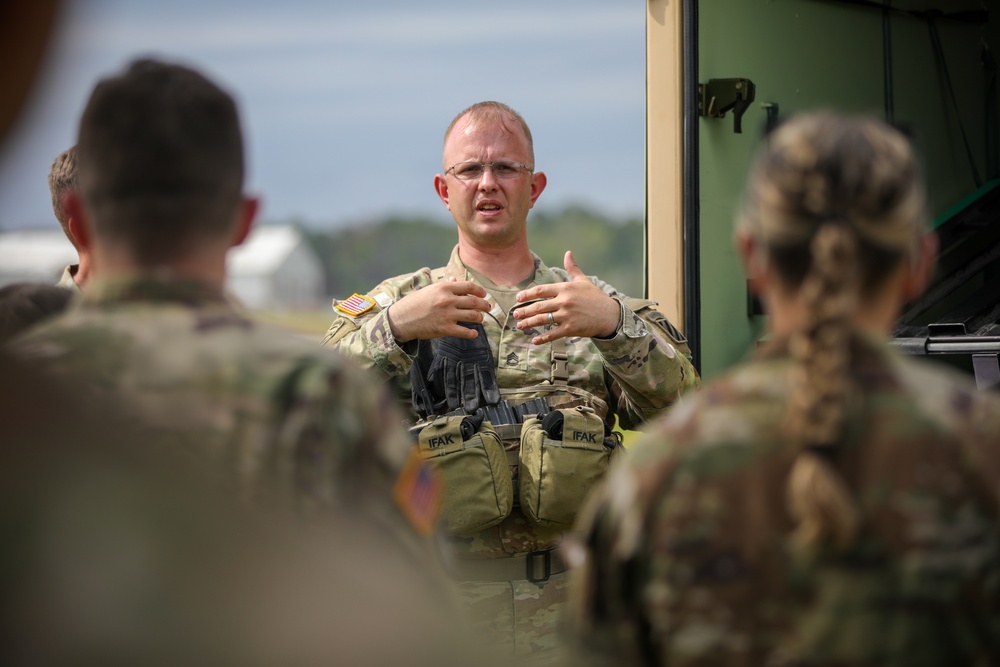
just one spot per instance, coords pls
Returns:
(489, 211)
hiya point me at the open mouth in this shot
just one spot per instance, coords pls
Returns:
(488, 207)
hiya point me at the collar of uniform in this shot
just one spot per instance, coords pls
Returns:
(458, 270)
(67, 280)
(152, 288)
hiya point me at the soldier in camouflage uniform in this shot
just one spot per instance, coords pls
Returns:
(160, 199)
(830, 502)
(554, 333)
(118, 554)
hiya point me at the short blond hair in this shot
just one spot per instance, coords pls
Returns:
(62, 178)
(494, 112)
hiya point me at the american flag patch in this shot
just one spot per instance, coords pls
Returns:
(355, 305)
(419, 493)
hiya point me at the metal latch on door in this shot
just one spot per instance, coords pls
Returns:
(718, 96)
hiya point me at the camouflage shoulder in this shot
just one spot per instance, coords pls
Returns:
(352, 312)
(647, 309)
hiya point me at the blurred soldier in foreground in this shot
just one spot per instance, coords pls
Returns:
(62, 179)
(159, 203)
(519, 372)
(831, 502)
(118, 549)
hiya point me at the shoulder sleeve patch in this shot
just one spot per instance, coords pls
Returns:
(672, 331)
(355, 305)
(656, 317)
(419, 493)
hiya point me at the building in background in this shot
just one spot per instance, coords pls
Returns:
(34, 255)
(274, 269)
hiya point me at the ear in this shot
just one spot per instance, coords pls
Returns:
(245, 219)
(441, 188)
(76, 220)
(922, 267)
(538, 182)
(753, 263)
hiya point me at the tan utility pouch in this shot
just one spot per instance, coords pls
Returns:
(555, 475)
(478, 491)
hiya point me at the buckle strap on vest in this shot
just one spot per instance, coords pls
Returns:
(534, 566)
(560, 369)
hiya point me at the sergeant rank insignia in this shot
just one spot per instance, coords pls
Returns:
(355, 305)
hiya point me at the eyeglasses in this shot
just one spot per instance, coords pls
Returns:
(502, 169)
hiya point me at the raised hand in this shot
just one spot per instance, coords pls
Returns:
(575, 308)
(436, 310)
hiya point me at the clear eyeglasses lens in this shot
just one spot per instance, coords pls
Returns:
(504, 169)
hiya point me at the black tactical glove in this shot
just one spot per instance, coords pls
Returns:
(425, 400)
(463, 371)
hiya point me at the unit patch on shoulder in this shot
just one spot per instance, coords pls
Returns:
(418, 493)
(356, 304)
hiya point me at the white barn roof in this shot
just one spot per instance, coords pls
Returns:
(264, 251)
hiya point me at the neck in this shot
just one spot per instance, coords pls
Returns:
(877, 313)
(204, 267)
(504, 266)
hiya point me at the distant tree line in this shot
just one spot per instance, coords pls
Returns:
(358, 258)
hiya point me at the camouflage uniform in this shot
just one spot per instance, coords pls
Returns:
(115, 554)
(689, 554)
(634, 375)
(66, 279)
(290, 424)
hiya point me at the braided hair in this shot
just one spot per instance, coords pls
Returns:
(836, 204)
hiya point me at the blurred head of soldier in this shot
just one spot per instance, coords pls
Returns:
(26, 30)
(833, 233)
(834, 222)
(161, 173)
(63, 179)
(489, 183)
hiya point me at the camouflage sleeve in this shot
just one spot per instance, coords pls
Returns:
(369, 341)
(361, 330)
(649, 362)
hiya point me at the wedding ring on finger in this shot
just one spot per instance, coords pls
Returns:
(552, 320)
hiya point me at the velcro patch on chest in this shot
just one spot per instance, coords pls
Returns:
(356, 304)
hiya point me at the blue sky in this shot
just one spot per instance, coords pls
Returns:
(344, 103)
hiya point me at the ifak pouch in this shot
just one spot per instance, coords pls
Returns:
(562, 456)
(468, 455)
